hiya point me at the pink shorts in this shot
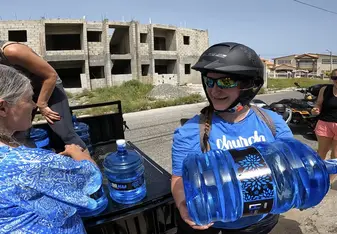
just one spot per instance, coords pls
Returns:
(326, 129)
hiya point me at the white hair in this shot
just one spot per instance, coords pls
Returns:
(13, 84)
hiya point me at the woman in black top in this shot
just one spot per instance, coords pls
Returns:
(326, 128)
(49, 94)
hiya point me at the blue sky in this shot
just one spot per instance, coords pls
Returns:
(272, 27)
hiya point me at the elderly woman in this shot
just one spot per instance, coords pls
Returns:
(40, 191)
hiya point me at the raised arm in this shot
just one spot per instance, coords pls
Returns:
(318, 106)
(22, 55)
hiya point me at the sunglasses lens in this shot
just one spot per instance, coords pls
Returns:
(208, 81)
(223, 83)
(334, 78)
(226, 83)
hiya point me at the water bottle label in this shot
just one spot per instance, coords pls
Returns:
(256, 181)
(128, 186)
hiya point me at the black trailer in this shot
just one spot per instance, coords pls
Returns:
(156, 212)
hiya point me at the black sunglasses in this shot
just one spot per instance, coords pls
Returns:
(333, 77)
(222, 82)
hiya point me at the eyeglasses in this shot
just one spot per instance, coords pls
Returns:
(333, 77)
(222, 82)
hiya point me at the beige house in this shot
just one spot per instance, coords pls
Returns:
(309, 64)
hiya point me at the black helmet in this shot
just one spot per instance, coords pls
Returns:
(236, 60)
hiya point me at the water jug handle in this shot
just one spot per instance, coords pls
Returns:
(331, 166)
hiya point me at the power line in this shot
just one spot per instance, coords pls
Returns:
(320, 8)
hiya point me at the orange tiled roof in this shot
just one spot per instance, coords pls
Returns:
(267, 62)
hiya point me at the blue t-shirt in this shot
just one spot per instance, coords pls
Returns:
(224, 136)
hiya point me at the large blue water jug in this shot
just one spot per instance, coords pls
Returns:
(102, 203)
(124, 170)
(82, 130)
(263, 178)
(40, 137)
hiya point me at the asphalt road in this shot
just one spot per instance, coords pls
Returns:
(152, 132)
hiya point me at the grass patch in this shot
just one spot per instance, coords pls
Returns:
(262, 91)
(282, 83)
(133, 95)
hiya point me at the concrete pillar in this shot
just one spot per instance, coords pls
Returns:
(134, 49)
(86, 54)
(43, 38)
(84, 81)
(151, 47)
(106, 52)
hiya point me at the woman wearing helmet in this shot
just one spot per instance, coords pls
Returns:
(232, 75)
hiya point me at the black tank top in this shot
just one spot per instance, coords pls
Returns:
(35, 79)
(329, 106)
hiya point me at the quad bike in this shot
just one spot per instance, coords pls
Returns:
(279, 108)
(301, 108)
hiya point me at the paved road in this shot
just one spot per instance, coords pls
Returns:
(152, 132)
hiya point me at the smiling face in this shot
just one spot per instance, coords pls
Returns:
(221, 98)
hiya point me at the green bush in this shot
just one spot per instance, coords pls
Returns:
(133, 95)
(282, 83)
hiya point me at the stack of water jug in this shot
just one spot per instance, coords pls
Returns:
(40, 137)
(124, 170)
(83, 131)
(223, 186)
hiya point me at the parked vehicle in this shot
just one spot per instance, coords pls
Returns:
(301, 108)
(281, 109)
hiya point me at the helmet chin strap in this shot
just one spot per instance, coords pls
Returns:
(235, 106)
(238, 104)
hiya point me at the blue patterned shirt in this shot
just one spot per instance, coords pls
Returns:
(40, 191)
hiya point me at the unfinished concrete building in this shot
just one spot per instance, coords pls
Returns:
(89, 55)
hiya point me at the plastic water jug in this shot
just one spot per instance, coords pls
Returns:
(124, 170)
(40, 137)
(263, 178)
(82, 130)
(102, 203)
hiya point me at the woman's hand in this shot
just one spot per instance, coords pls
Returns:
(49, 114)
(315, 111)
(77, 153)
(72, 150)
(185, 216)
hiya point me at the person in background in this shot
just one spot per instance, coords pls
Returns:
(49, 94)
(326, 127)
(231, 74)
(40, 191)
